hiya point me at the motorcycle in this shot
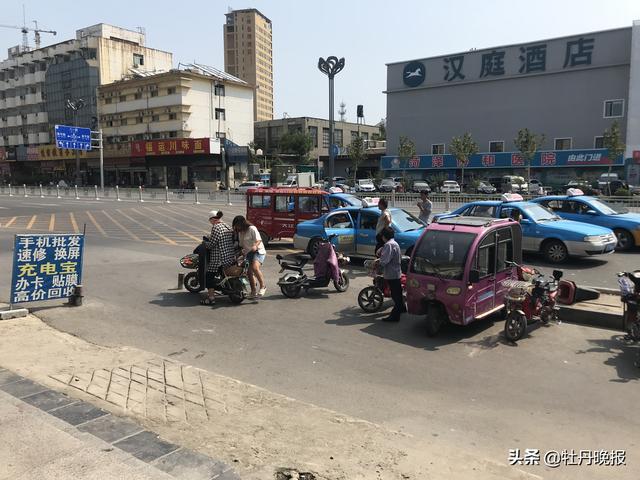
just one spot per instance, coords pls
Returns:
(231, 281)
(531, 298)
(629, 283)
(326, 261)
(371, 298)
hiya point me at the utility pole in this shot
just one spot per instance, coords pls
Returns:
(76, 105)
(331, 67)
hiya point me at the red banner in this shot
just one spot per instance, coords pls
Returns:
(178, 146)
(636, 156)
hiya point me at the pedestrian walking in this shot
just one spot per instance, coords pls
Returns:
(390, 259)
(425, 206)
(384, 221)
(222, 253)
(253, 249)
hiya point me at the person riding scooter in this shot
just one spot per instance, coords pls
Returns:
(222, 253)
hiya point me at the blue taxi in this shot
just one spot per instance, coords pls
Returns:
(582, 208)
(542, 230)
(356, 230)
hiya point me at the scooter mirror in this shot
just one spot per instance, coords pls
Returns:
(557, 274)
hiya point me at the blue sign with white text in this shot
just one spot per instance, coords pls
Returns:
(73, 138)
(554, 158)
(46, 267)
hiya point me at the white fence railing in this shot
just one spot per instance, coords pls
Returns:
(441, 202)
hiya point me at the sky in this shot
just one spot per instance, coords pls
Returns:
(367, 33)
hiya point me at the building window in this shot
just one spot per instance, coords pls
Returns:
(219, 90)
(325, 138)
(173, 116)
(220, 115)
(137, 96)
(313, 133)
(562, 144)
(155, 118)
(110, 123)
(171, 90)
(108, 100)
(221, 135)
(138, 60)
(437, 149)
(124, 121)
(173, 134)
(598, 142)
(613, 108)
(139, 120)
(365, 136)
(496, 146)
(123, 98)
(155, 135)
(154, 93)
(338, 137)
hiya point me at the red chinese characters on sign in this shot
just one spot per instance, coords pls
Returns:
(636, 156)
(517, 160)
(414, 162)
(437, 161)
(180, 146)
(488, 160)
(548, 159)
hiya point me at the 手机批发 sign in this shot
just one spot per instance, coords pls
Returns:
(46, 267)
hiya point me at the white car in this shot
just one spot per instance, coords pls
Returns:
(243, 187)
(365, 185)
(450, 186)
(535, 187)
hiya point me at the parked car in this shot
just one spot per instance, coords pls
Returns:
(365, 185)
(450, 186)
(543, 231)
(485, 187)
(356, 230)
(387, 185)
(535, 187)
(604, 181)
(514, 184)
(345, 187)
(243, 187)
(591, 210)
(420, 186)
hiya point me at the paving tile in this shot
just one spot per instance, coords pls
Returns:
(78, 413)
(48, 400)
(23, 388)
(146, 446)
(228, 475)
(110, 428)
(8, 377)
(190, 465)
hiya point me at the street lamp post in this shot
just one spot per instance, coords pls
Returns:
(259, 154)
(331, 67)
(76, 105)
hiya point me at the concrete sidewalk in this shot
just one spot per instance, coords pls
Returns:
(49, 435)
(605, 312)
(208, 417)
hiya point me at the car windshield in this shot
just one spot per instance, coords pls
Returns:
(405, 222)
(538, 213)
(607, 208)
(442, 253)
(387, 182)
(352, 200)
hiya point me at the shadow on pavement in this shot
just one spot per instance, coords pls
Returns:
(411, 330)
(573, 263)
(623, 356)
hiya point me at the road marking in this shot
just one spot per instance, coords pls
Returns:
(10, 222)
(41, 204)
(72, 217)
(93, 220)
(166, 239)
(131, 234)
(31, 222)
(52, 222)
(179, 221)
(168, 226)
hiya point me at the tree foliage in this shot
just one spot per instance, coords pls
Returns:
(406, 147)
(462, 148)
(357, 154)
(528, 143)
(612, 141)
(296, 143)
(382, 130)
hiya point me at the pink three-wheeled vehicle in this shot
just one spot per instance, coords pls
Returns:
(460, 268)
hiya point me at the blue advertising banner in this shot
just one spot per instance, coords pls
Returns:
(46, 266)
(556, 158)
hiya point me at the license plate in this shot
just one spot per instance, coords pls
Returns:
(609, 248)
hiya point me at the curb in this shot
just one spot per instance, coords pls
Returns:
(591, 318)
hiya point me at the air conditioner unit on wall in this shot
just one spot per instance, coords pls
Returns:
(167, 110)
(139, 89)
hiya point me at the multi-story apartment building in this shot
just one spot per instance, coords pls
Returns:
(167, 128)
(248, 55)
(36, 85)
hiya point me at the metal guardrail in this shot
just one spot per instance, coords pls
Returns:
(442, 202)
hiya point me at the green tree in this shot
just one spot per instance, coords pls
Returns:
(382, 130)
(357, 154)
(406, 150)
(296, 143)
(462, 148)
(612, 141)
(528, 143)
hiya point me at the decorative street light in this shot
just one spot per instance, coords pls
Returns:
(331, 67)
(76, 105)
(259, 154)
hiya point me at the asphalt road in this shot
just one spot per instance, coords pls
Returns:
(563, 387)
